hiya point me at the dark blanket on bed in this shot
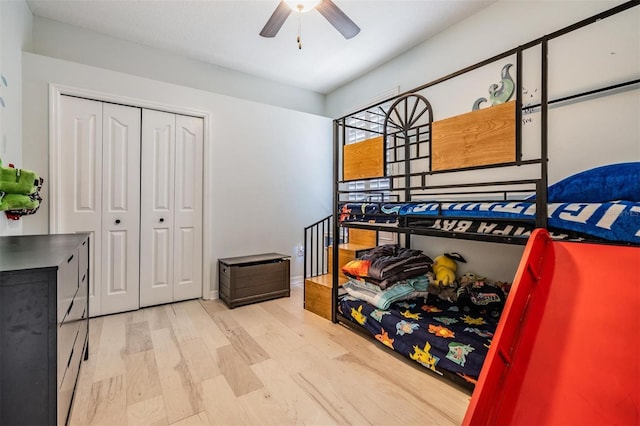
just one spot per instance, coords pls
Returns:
(434, 333)
(387, 264)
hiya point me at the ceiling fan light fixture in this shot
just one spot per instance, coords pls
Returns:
(302, 5)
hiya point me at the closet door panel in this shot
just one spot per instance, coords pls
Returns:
(121, 208)
(187, 252)
(80, 181)
(156, 215)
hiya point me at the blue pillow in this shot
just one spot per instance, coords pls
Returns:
(606, 183)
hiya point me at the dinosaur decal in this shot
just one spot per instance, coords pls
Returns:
(498, 93)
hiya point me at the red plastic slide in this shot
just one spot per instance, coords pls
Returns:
(567, 348)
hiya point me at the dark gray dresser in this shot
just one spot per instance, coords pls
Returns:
(249, 279)
(44, 325)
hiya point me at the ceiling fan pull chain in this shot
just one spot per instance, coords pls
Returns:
(299, 39)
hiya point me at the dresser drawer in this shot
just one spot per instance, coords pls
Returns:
(67, 333)
(65, 394)
(83, 259)
(67, 284)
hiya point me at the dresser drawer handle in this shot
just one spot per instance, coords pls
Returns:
(70, 306)
(70, 259)
(70, 356)
(84, 277)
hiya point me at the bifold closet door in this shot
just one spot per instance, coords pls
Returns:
(120, 208)
(171, 208)
(80, 181)
(99, 193)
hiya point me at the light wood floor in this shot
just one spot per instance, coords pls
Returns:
(271, 363)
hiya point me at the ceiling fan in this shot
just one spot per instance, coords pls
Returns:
(327, 8)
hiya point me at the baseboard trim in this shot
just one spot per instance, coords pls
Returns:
(297, 281)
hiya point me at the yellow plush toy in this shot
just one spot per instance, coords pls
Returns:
(445, 267)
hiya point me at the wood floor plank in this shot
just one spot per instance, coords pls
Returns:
(147, 412)
(199, 419)
(237, 372)
(246, 346)
(279, 340)
(255, 320)
(183, 328)
(111, 350)
(226, 321)
(200, 363)
(213, 337)
(214, 306)
(136, 316)
(262, 409)
(157, 317)
(220, 403)
(299, 407)
(292, 360)
(322, 339)
(143, 379)
(315, 385)
(181, 395)
(95, 331)
(277, 311)
(81, 398)
(108, 402)
(138, 337)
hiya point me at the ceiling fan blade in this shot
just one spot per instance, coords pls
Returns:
(276, 21)
(338, 19)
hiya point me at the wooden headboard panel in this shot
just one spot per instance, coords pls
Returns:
(363, 160)
(477, 138)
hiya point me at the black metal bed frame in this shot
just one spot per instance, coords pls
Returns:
(540, 184)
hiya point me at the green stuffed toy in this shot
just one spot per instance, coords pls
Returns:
(19, 192)
(17, 202)
(18, 181)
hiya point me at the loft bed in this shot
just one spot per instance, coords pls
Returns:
(481, 175)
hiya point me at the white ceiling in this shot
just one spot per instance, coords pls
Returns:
(225, 33)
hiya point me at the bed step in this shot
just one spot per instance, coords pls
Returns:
(347, 252)
(317, 294)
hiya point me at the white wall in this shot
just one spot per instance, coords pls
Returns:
(55, 39)
(498, 28)
(582, 134)
(15, 34)
(270, 167)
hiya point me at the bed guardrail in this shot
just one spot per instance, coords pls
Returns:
(317, 238)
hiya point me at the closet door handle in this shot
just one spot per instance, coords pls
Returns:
(161, 219)
(117, 221)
